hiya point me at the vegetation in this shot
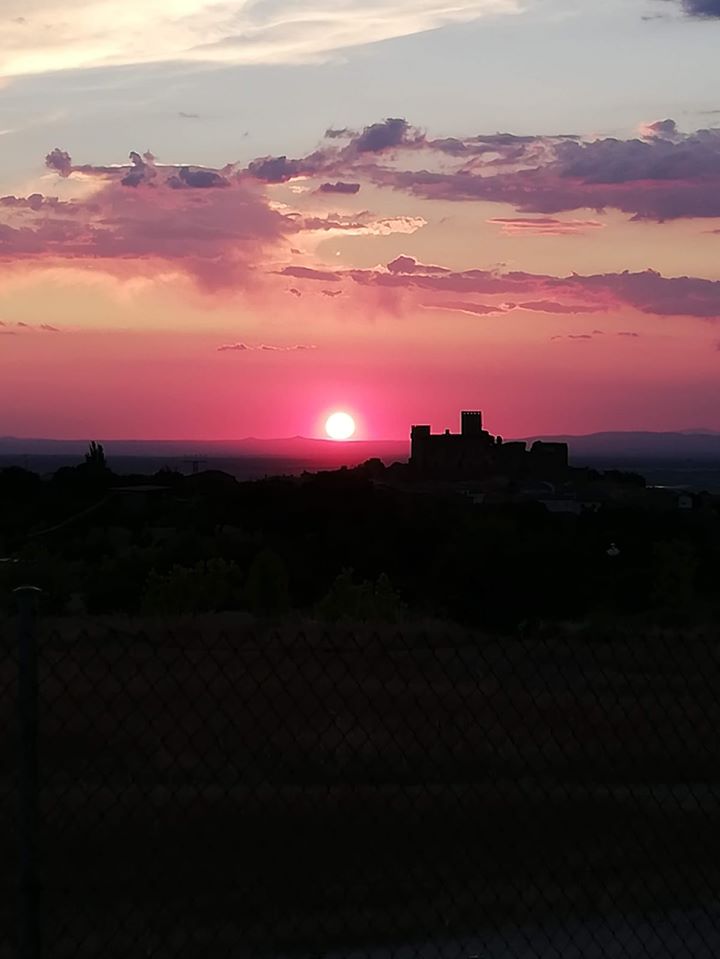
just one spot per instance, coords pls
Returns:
(343, 546)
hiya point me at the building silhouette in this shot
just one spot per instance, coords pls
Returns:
(474, 453)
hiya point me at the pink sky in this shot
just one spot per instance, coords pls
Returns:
(560, 284)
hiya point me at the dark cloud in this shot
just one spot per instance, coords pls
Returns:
(661, 174)
(340, 187)
(332, 293)
(632, 336)
(709, 9)
(377, 137)
(197, 179)
(142, 169)
(59, 160)
(342, 133)
(294, 291)
(48, 328)
(408, 264)
(275, 169)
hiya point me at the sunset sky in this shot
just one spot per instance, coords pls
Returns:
(228, 218)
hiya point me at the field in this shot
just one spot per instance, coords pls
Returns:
(217, 791)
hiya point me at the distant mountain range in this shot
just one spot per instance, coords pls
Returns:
(638, 446)
(625, 446)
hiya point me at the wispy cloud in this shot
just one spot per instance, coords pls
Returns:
(545, 226)
(39, 36)
(264, 348)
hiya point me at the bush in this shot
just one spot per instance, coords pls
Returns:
(209, 586)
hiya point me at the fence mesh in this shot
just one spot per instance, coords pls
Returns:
(355, 794)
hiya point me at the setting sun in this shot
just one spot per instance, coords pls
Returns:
(340, 426)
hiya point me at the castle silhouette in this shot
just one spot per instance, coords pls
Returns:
(474, 453)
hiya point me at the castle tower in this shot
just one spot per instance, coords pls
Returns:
(419, 446)
(471, 423)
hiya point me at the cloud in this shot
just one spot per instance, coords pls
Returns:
(547, 306)
(660, 130)
(393, 132)
(212, 225)
(40, 36)
(275, 169)
(360, 224)
(632, 336)
(409, 265)
(573, 336)
(709, 9)
(34, 328)
(197, 179)
(264, 348)
(647, 292)
(60, 161)
(663, 174)
(306, 273)
(461, 306)
(349, 189)
(545, 226)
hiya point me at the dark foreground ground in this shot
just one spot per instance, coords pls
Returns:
(352, 794)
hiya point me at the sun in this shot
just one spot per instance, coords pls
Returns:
(340, 426)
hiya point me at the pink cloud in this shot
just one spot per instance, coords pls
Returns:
(545, 226)
(264, 348)
(461, 306)
(647, 292)
(214, 225)
(547, 306)
(307, 273)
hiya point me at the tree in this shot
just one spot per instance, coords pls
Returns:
(95, 457)
(207, 587)
(361, 602)
(266, 589)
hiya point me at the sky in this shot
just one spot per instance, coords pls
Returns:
(230, 218)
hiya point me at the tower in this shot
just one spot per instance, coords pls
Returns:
(419, 445)
(471, 423)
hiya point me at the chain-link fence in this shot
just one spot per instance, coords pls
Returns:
(363, 794)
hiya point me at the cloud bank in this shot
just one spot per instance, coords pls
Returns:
(702, 8)
(223, 227)
(659, 175)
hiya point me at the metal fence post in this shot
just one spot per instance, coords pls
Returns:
(29, 883)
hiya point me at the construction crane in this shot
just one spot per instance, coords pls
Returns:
(195, 464)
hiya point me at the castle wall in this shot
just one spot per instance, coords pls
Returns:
(475, 453)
